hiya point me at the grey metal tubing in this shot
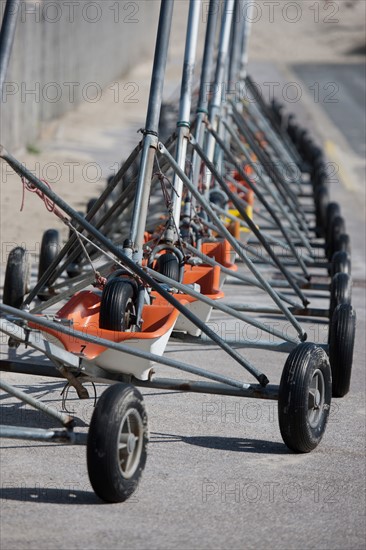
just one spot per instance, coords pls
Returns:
(51, 274)
(258, 257)
(225, 233)
(267, 160)
(65, 419)
(7, 34)
(236, 42)
(242, 278)
(245, 40)
(38, 434)
(128, 262)
(269, 237)
(158, 72)
(183, 123)
(250, 223)
(208, 56)
(189, 62)
(139, 215)
(276, 142)
(308, 312)
(124, 348)
(221, 307)
(254, 391)
(216, 99)
(283, 347)
(281, 186)
(222, 57)
(259, 195)
(261, 178)
(268, 114)
(282, 284)
(205, 84)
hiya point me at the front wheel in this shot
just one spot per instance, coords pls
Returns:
(117, 307)
(168, 265)
(304, 397)
(117, 442)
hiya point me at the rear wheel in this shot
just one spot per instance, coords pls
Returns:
(304, 397)
(341, 344)
(117, 307)
(16, 283)
(117, 441)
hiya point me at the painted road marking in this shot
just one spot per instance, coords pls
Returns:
(331, 150)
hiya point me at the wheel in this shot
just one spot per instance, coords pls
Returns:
(340, 263)
(336, 229)
(333, 210)
(340, 291)
(16, 283)
(117, 441)
(316, 155)
(168, 265)
(341, 343)
(49, 250)
(320, 178)
(321, 197)
(343, 243)
(218, 198)
(304, 397)
(117, 307)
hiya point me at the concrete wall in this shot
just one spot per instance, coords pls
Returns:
(67, 51)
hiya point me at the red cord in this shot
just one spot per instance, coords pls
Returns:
(50, 206)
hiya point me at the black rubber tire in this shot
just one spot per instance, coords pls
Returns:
(343, 244)
(340, 263)
(168, 265)
(333, 210)
(340, 291)
(337, 227)
(320, 178)
(16, 277)
(342, 333)
(50, 247)
(316, 155)
(115, 472)
(321, 199)
(302, 425)
(117, 307)
(218, 198)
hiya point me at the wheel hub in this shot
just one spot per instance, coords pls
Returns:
(131, 443)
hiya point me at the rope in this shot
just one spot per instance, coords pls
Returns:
(50, 206)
